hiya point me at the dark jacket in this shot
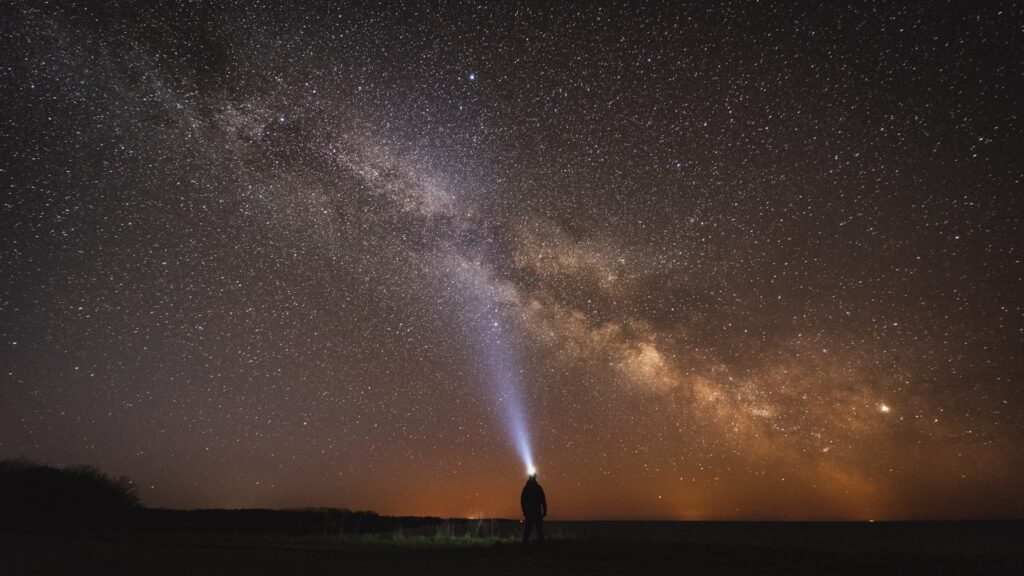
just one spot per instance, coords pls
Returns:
(532, 500)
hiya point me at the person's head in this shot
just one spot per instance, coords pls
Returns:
(532, 477)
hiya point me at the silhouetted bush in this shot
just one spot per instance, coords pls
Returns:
(307, 521)
(36, 496)
(44, 498)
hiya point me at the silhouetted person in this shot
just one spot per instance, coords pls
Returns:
(535, 508)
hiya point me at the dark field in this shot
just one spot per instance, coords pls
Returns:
(489, 548)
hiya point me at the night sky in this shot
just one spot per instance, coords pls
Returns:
(734, 260)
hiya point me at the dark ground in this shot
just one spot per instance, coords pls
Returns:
(576, 548)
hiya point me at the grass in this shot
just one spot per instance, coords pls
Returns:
(488, 547)
(443, 537)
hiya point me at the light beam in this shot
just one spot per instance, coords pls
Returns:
(486, 326)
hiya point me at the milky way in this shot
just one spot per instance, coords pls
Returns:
(737, 261)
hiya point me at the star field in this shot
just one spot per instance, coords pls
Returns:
(746, 261)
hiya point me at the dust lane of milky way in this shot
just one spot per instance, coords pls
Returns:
(744, 262)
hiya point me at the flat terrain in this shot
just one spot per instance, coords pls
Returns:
(576, 548)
